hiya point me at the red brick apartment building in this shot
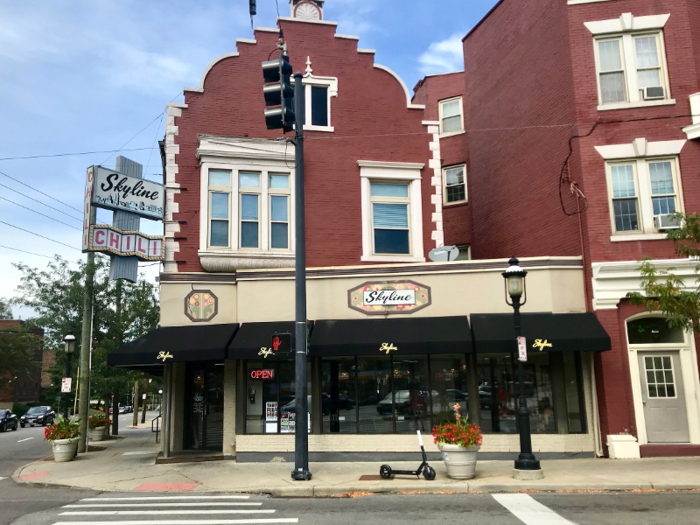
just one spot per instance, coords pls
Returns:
(395, 338)
(582, 120)
(26, 387)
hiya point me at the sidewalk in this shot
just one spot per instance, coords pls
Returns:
(128, 464)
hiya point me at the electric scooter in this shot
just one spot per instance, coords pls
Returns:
(428, 472)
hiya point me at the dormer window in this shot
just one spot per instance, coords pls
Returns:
(318, 91)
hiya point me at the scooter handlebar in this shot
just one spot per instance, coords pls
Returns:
(420, 438)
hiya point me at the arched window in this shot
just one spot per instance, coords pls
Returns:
(653, 331)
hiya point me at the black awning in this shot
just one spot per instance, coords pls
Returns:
(251, 338)
(173, 344)
(543, 331)
(418, 335)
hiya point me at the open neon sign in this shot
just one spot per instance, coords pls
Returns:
(262, 374)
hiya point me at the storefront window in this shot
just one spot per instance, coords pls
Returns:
(374, 395)
(449, 387)
(412, 395)
(574, 397)
(652, 330)
(338, 382)
(271, 407)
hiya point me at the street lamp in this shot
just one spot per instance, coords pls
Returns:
(69, 341)
(526, 466)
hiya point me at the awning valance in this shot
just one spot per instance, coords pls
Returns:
(416, 335)
(173, 344)
(543, 331)
(252, 338)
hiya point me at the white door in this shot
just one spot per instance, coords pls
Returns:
(663, 397)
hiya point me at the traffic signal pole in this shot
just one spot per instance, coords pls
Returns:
(301, 436)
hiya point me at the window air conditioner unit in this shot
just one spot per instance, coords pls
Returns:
(666, 222)
(654, 93)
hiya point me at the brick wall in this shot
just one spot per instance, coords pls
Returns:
(453, 150)
(371, 122)
(518, 112)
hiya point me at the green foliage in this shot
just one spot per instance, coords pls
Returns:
(122, 312)
(18, 352)
(63, 429)
(663, 290)
(101, 420)
(5, 310)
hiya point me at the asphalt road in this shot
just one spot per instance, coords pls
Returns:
(35, 505)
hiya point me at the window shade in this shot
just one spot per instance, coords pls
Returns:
(390, 216)
(249, 207)
(279, 208)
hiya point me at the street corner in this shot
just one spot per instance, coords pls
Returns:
(34, 476)
(166, 487)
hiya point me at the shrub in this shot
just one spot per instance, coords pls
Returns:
(98, 421)
(64, 429)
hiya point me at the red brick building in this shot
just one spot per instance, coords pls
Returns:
(580, 140)
(394, 336)
(25, 387)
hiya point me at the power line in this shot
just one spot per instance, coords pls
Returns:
(154, 142)
(38, 235)
(39, 213)
(44, 194)
(42, 203)
(29, 157)
(25, 251)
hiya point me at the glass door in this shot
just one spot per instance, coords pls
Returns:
(205, 407)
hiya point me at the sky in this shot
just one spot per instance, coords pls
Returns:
(82, 76)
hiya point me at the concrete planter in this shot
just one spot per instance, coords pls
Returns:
(64, 449)
(98, 434)
(459, 461)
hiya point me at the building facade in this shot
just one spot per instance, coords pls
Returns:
(582, 136)
(395, 340)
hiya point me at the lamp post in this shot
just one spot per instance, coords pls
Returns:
(527, 467)
(69, 342)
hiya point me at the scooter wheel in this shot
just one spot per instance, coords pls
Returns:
(385, 471)
(429, 473)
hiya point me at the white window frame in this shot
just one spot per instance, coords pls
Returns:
(445, 202)
(441, 103)
(626, 29)
(215, 188)
(410, 173)
(279, 192)
(310, 80)
(642, 181)
(234, 202)
(391, 200)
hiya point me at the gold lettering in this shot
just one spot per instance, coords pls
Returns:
(539, 343)
(164, 356)
(387, 347)
(265, 352)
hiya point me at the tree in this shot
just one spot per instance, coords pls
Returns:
(56, 295)
(5, 310)
(663, 290)
(18, 352)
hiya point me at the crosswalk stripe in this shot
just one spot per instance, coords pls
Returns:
(151, 505)
(2, 479)
(186, 522)
(160, 512)
(530, 511)
(156, 498)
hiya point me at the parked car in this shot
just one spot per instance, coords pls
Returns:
(291, 407)
(123, 410)
(38, 416)
(8, 420)
(456, 394)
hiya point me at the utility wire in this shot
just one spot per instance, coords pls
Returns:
(155, 140)
(39, 213)
(25, 251)
(71, 154)
(44, 204)
(38, 235)
(44, 194)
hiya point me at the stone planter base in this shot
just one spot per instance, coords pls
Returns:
(460, 462)
(98, 434)
(64, 449)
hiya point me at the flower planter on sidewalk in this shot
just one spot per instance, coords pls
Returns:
(98, 433)
(64, 449)
(460, 461)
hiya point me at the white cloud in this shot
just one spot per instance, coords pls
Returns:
(443, 56)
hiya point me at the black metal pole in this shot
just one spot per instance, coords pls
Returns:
(526, 460)
(301, 437)
(65, 411)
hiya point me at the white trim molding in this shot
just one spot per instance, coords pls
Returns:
(400, 171)
(347, 37)
(626, 23)
(200, 89)
(409, 103)
(693, 131)
(613, 280)
(172, 187)
(639, 104)
(438, 233)
(577, 2)
(640, 147)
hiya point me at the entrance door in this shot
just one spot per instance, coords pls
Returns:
(205, 401)
(663, 397)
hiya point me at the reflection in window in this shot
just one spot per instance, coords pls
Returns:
(374, 395)
(412, 395)
(338, 382)
(652, 330)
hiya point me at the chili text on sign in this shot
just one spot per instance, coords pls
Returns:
(105, 238)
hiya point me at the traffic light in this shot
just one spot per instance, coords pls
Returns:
(282, 343)
(279, 94)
